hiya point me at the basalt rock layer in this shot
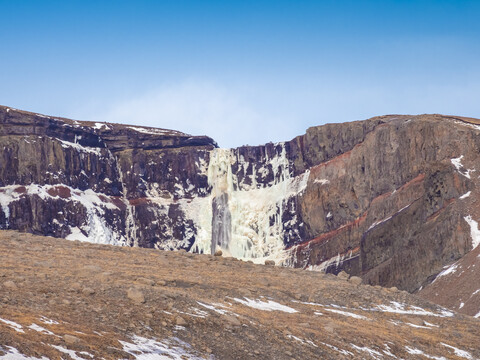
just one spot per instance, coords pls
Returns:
(392, 199)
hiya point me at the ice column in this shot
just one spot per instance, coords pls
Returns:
(220, 177)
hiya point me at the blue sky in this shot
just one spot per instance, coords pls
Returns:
(243, 72)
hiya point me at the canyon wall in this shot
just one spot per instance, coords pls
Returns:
(392, 198)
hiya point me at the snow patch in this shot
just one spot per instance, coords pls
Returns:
(301, 341)
(417, 326)
(337, 260)
(198, 313)
(13, 354)
(466, 195)
(100, 126)
(265, 305)
(388, 351)
(460, 353)
(13, 325)
(321, 181)
(474, 232)
(414, 351)
(5, 200)
(373, 353)
(48, 321)
(40, 329)
(214, 307)
(76, 234)
(154, 131)
(457, 162)
(71, 353)
(148, 349)
(341, 351)
(399, 308)
(87, 149)
(375, 224)
(449, 270)
(346, 313)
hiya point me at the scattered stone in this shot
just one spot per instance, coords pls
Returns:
(105, 275)
(356, 280)
(88, 291)
(218, 253)
(136, 296)
(393, 289)
(75, 287)
(161, 283)
(93, 268)
(270, 262)
(329, 328)
(245, 292)
(415, 321)
(145, 281)
(343, 275)
(232, 320)
(180, 321)
(10, 285)
(71, 340)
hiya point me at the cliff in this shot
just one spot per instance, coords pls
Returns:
(392, 198)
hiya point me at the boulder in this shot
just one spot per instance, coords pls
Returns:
(136, 296)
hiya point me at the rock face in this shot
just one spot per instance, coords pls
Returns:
(391, 199)
(88, 181)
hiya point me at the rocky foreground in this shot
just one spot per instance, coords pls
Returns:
(76, 300)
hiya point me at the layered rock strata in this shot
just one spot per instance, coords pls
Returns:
(392, 198)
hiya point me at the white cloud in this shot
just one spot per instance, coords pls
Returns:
(198, 108)
(235, 115)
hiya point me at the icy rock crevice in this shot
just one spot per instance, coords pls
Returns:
(246, 212)
(95, 226)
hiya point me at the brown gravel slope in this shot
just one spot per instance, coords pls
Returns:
(72, 300)
(458, 285)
